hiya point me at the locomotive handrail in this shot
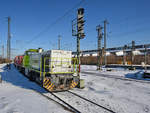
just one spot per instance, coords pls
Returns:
(62, 61)
(73, 65)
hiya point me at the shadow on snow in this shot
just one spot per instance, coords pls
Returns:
(14, 77)
(138, 76)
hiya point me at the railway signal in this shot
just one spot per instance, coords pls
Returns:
(8, 41)
(80, 23)
(78, 31)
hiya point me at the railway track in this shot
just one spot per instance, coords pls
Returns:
(83, 104)
(111, 111)
(74, 108)
(52, 97)
(116, 77)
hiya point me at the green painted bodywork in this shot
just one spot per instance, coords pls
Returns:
(31, 50)
(26, 58)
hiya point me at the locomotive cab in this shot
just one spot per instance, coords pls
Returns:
(55, 70)
(59, 70)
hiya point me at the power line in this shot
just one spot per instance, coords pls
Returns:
(55, 22)
(131, 32)
(123, 21)
(59, 38)
(8, 41)
(105, 36)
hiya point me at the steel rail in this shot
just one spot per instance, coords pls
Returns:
(69, 108)
(74, 109)
(91, 101)
(117, 77)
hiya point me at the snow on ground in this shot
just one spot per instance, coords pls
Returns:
(115, 71)
(134, 74)
(119, 95)
(17, 96)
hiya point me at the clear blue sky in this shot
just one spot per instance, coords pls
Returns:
(128, 20)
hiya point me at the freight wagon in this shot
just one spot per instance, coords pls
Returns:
(18, 61)
(55, 70)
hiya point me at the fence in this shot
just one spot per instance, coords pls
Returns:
(113, 59)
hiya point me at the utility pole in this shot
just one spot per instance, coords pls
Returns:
(124, 54)
(8, 40)
(105, 36)
(2, 51)
(99, 53)
(145, 57)
(59, 38)
(103, 52)
(78, 53)
(132, 55)
(78, 31)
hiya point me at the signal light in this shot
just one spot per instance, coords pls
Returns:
(80, 23)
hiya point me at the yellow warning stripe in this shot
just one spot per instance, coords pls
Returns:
(46, 82)
(47, 85)
(50, 86)
(45, 79)
(73, 84)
